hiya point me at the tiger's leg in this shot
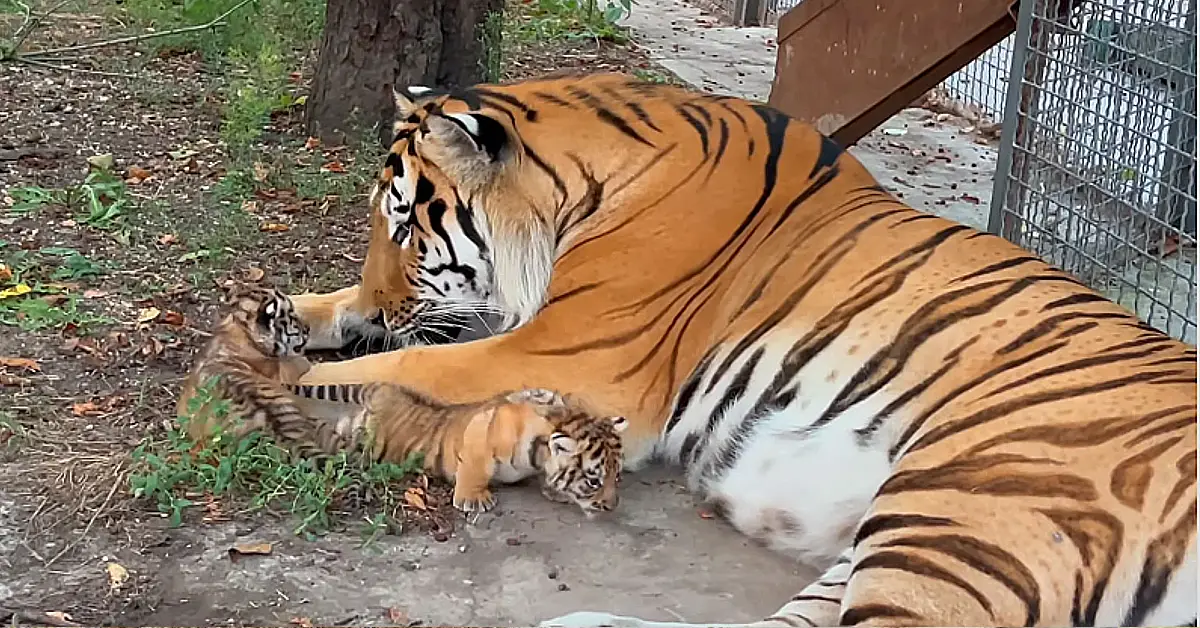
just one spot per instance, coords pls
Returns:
(475, 466)
(328, 315)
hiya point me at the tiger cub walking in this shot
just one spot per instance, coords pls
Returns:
(505, 439)
(254, 348)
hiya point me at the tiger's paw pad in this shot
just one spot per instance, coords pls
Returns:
(541, 396)
(589, 619)
(475, 503)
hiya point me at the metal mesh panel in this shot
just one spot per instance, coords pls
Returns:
(979, 89)
(1097, 171)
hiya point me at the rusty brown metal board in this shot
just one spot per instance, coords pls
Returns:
(846, 66)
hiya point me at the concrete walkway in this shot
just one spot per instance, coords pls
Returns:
(933, 162)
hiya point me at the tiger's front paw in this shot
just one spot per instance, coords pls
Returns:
(541, 396)
(590, 619)
(473, 502)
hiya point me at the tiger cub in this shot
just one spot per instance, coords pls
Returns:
(505, 439)
(254, 348)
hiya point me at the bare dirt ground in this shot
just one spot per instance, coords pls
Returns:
(107, 283)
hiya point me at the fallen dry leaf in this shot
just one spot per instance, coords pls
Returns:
(415, 497)
(173, 318)
(273, 227)
(970, 199)
(334, 166)
(20, 363)
(117, 575)
(60, 616)
(704, 514)
(13, 380)
(92, 293)
(15, 291)
(85, 408)
(246, 549)
(312, 143)
(147, 314)
(5, 273)
(137, 173)
(253, 273)
(250, 207)
(168, 238)
(261, 172)
(396, 615)
(302, 622)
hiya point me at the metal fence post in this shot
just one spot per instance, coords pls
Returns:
(1012, 116)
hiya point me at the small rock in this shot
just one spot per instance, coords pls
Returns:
(563, 587)
(553, 573)
(441, 537)
(512, 541)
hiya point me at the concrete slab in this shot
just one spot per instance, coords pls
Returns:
(720, 59)
(532, 560)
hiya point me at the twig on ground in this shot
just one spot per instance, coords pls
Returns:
(63, 68)
(41, 153)
(30, 25)
(17, 617)
(88, 528)
(213, 23)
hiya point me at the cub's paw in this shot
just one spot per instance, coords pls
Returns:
(539, 396)
(591, 619)
(473, 502)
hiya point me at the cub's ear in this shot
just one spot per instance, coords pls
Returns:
(469, 137)
(561, 444)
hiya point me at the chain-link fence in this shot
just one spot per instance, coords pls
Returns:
(1097, 165)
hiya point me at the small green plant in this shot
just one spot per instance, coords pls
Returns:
(491, 37)
(35, 312)
(258, 473)
(30, 198)
(74, 264)
(570, 19)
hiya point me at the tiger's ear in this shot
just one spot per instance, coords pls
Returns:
(407, 99)
(619, 423)
(561, 444)
(468, 137)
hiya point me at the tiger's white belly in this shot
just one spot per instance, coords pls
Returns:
(798, 492)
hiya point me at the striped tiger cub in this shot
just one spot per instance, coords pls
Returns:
(505, 439)
(255, 347)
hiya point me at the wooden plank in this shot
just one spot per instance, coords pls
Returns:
(848, 65)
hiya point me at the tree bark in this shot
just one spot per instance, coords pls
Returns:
(369, 46)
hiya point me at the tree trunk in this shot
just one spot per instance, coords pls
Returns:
(369, 46)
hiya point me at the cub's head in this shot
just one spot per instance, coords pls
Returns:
(583, 462)
(267, 318)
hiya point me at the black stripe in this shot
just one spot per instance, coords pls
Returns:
(862, 614)
(734, 392)
(918, 566)
(1076, 299)
(551, 98)
(464, 217)
(827, 155)
(918, 422)
(701, 130)
(530, 114)
(1010, 406)
(537, 160)
(897, 521)
(1047, 325)
(606, 115)
(986, 558)
(688, 390)
(1012, 262)
(808, 597)
(1076, 365)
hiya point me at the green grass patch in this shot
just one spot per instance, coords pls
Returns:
(553, 20)
(31, 295)
(256, 474)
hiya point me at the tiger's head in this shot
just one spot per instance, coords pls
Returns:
(477, 193)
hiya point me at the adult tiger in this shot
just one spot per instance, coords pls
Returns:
(966, 434)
